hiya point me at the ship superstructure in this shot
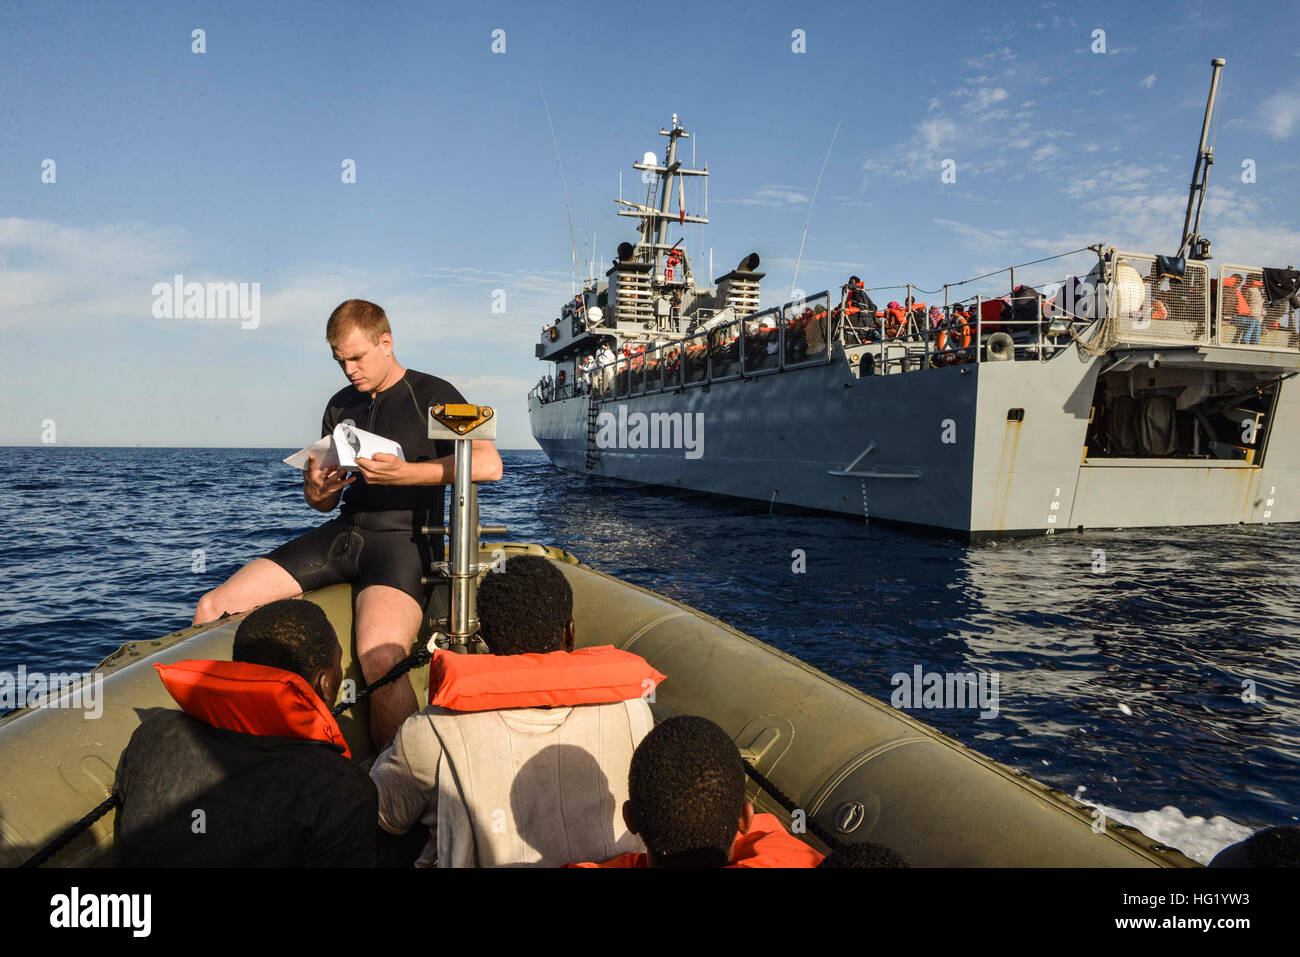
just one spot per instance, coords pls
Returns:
(1119, 389)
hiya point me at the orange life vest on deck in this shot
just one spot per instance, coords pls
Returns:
(556, 679)
(956, 336)
(765, 844)
(895, 321)
(1243, 308)
(253, 699)
(849, 307)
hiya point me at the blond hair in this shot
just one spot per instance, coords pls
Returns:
(356, 314)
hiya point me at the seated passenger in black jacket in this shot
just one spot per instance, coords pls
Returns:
(254, 772)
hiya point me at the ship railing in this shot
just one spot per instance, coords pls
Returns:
(806, 331)
(724, 351)
(917, 341)
(762, 342)
(787, 337)
(1145, 306)
(1037, 319)
(1246, 319)
(552, 391)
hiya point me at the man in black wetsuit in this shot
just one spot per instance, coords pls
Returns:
(375, 541)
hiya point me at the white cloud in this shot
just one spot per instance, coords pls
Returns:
(771, 195)
(1279, 115)
(62, 276)
(65, 273)
(1148, 81)
(978, 237)
(1119, 177)
(987, 97)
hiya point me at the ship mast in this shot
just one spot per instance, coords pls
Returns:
(654, 222)
(1193, 243)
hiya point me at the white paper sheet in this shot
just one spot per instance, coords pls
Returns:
(343, 447)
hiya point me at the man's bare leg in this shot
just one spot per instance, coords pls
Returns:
(387, 621)
(258, 582)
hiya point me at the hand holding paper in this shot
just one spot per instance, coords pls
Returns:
(323, 484)
(343, 447)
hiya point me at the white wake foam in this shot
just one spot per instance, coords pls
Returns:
(1197, 837)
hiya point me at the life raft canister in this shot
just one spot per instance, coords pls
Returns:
(253, 699)
(559, 678)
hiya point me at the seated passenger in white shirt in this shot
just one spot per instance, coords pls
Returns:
(499, 780)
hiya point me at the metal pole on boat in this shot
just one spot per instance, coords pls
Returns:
(462, 424)
(907, 307)
(1201, 173)
(464, 614)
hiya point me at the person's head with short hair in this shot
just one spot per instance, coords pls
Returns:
(362, 344)
(686, 794)
(864, 854)
(1272, 847)
(854, 280)
(526, 609)
(293, 634)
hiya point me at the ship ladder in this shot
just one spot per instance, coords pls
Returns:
(593, 415)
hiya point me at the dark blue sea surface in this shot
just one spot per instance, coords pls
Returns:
(1124, 685)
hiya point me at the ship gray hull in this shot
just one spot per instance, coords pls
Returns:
(989, 449)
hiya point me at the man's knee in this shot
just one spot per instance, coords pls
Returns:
(208, 608)
(382, 654)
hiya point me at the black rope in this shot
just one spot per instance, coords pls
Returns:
(825, 836)
(416, 659)
(66, 837)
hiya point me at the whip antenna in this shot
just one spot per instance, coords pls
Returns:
(798, 259)
(573, 238)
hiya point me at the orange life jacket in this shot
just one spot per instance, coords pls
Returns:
(849, 307)
(254, 699)
(895, 321)
(1243, 308)
(765, 844)
(559, 678)
(956, 336)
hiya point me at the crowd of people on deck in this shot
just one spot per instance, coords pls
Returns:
(534, 755)
(1253, 306)
(949, 328)
(805, 330)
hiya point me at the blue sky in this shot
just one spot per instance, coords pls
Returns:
(225, 166)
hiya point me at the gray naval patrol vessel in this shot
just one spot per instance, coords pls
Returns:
(1120, 389)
